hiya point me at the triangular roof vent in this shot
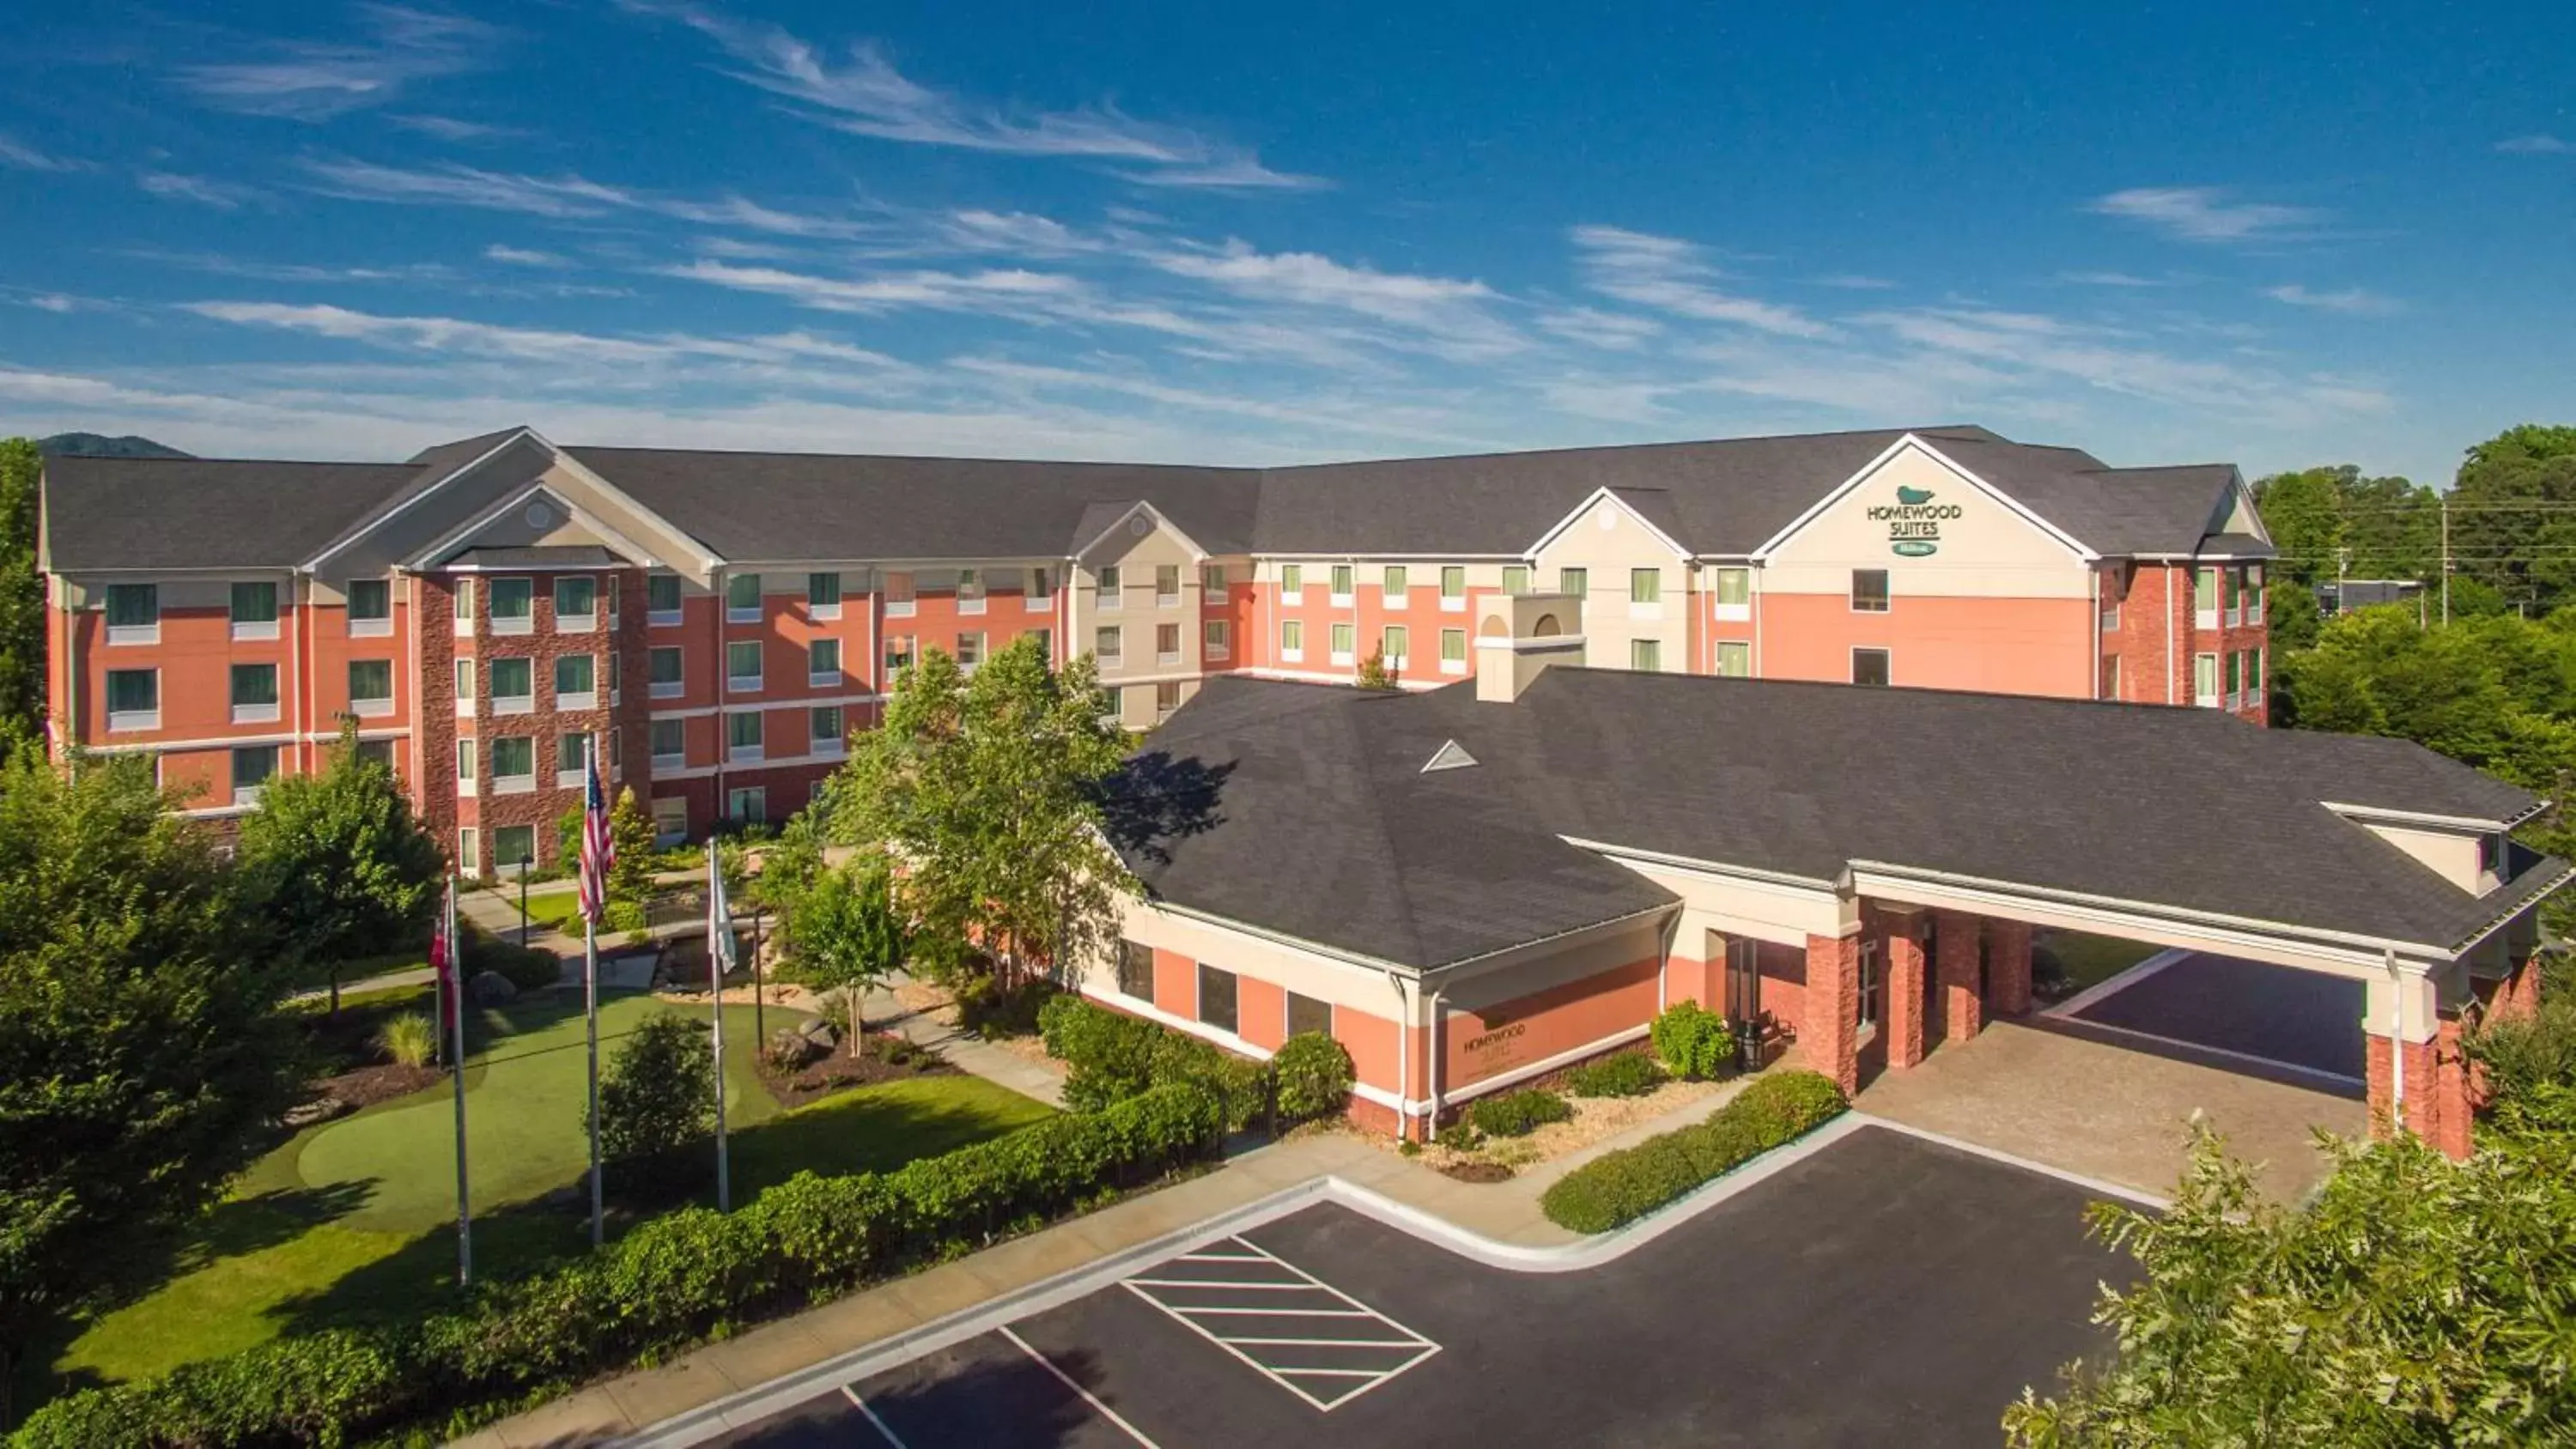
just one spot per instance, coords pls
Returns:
(1449, 757)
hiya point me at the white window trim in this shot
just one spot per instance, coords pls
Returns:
(249, 630)
(371, 708)
(579, 699)
(1645, 611)
(2208, 700)
(514, 627)
(974, 605)
(514, 704)
(578, 623)
(822, 613)
(131, 721)
(134, 633)
(1889, 654)
(1221, 647)
(370, 628)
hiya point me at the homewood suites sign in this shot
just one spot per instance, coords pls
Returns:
(1913, 522)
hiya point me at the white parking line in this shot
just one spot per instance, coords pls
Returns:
(874, 1422)
(1103, 1410)
(1284, 1353)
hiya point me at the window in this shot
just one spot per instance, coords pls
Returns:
(1453, 651)
(1167, 586)
(1167, 698)
(743, 735)
(1516, 578)
(1577, 582)
(970, 591)
(133, 613)
(662, 599)
(742, 665)
(1395, 591)
(747, 806)
(1394, 642)
(1344, 643)
(1216, 997)
(576, 681)
(1292, 640)
(2231, 595)
(133, 699)
(572, 760)
(2204, 598)
(1167, 643)
(2253, 593)
(828, 729)
(616, 675)
(254, 693)
(1734, 659)
(899, 603)
(1292, 582)
(898, 656)
(2110, 621)
(514, 689)
(1213, 640)
(465, 765)
(1453, 588)
(1212, 582)
(1109, 645)
(514, 603)
(1870, 1004)
(254, 608)
(464, 606)
(663, 677)
(670, 739)
(1646, 656)
(1045, 640)
(1342, 585)
(371, 686)
(1106, 588)
(822, 596)
(742, 599)
(1309, 1014)
(970, 651)
(253, 767)
(576, 603)
(2204, 679)
(514, 764)
(1136, 970)
(1645, 586)
(2233, 667)
(2254, 675)
(464, 688)
(2110, 676)
(1732, 591)
(1869, 591)
(469, 855)
(823, 662)
(1869, 666)
(1041, 594)
(670, 817)
(514, 847)
(371, 608)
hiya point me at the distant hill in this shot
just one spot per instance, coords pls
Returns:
(94, 445)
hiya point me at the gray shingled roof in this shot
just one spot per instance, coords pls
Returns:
(202, 513)
(1326, 830)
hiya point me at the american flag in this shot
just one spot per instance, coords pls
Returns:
(598, 844)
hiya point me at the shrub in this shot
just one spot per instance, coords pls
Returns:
(1620, 1187)
(668, 1283)
(1459, 1136)
(992, 1011)
(657, 1095)
(1313, 1074)
(1628, 1074)
(1113, 1056)
(528, 968)
(1517, 1114)
(409, 1039)
(1693, 1041)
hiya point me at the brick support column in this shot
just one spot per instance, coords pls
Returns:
(2008, 966)
(2455, 1093)
(1955, 951)
(2419, 1112)
(1906, 992)
(1829, 1036)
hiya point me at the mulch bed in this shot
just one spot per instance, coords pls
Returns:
(369, 1085)
(1473, 1171)
(840, 1071)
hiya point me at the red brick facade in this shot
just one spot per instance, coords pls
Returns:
(1830, 1035)
(1958, 942)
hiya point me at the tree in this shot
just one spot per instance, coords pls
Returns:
(987, 792)
(143, 1058)
(1374, 674)
(656, 1097)
(341, 863)
(847, 934)
(2513, 515)
(22, 597)
(630, 877)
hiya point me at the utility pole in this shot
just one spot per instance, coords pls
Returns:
(2446, 560)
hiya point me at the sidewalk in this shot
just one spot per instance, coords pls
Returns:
(1505, 1214)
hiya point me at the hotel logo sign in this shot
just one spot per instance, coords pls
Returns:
(1913, 522)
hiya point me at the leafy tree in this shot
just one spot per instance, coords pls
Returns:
(847, 935)
(142, 1053)
(341, 862)
(2513, 515)
(22, 597)
(656, 1097)
(988, 793)
(630, 877)
(1374, 674)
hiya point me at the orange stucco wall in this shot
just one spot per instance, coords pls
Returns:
(2005, 646)
(1176, 984)
(1371, 1041)
(1260, 1012)
(1478, 1044)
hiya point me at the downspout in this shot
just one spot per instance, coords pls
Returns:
(295, 674)
(716, 678)
(2097, 632)
(1431, 1060)
(1403, 1047)
(2171, 664)
(409, 623)
(2396, 1047)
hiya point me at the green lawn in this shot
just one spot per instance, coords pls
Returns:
(352, 1220)
(2092, 960)
(551, 908)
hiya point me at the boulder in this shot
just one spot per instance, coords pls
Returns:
(820, 1033)
(790, 1050)
(491, 988)
(320, 1109)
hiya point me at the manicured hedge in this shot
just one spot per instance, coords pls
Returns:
(1517, 1114)
(1621, 1187)
(1112, 1056)
(1625, 1074)
(667, 1284)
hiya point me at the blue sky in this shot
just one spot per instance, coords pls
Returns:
(1251, 234)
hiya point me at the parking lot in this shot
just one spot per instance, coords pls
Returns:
(1886, 1290)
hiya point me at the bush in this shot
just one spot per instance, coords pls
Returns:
(1621, 1187)
(1517, 1114)
(657, 1095)
(1113, 1056)
(528, 968)
(1314, 1076)
(992, 1011)
(409, 1039)
(666, 1284)
(1693, 1041)
(1628, 1074)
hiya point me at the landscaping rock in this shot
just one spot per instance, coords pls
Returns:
(320, 1109)
(821, 1034)
(491, 988)
(790, 1049)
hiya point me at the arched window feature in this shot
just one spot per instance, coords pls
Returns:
(1546, 627)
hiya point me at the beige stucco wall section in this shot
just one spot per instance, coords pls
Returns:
(1987, 551)
(1137, 617)
(1760, 910)
(1607, 541)
(1307, 973)
(190, 591)
(1470, 988)
(2447, 853)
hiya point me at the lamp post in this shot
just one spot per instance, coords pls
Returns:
(526, 864)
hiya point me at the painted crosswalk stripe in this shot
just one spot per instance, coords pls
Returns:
(1280, 1338)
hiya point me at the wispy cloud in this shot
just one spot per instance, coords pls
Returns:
(1855, 282)
(1361, 415)
(171, 186)
(1609, 331)
(528, 344)
(1674, 276)
(2536, 144)
(18, 154)
(864, 94)
(2109, 279)
(1448, 315)
(450, 128)
(523, 256)
(311, 80)
(2206, 213)
(2356, 301)
(215, 264)
(567, 197)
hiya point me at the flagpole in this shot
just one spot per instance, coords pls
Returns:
(719, 919)
(454, 997)
(590, 1009)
